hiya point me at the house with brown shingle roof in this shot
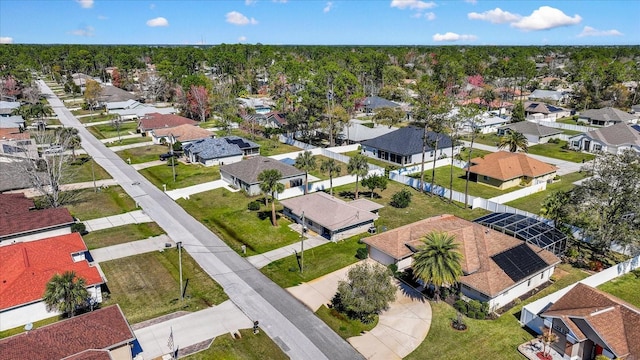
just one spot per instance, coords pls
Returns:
(589, 322)
(161, 121)
(20, 221)
(244, 174)
(185, 133)
(612, 139)
(331, 217)
(497, 268)
(25, 269)
(103, 334)
(505, 169)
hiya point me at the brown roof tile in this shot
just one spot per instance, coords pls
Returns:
(13, 134)
(17, 216)
(185, 132)
(503, 165)
(15, 203)
(157, 121)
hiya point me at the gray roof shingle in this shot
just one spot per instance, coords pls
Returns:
(607, 114)
(249, 169)
(532, 128)
(618, 134)
(407, 141)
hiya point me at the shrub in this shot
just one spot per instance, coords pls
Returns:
(362, 253)
(471, 314)
(254, 206)
(401, 199)
(393, 268)
(79, 228)
(460, 305)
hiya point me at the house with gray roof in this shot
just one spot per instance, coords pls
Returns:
(610, 139)
(7, 107)
(373, 103)
(536, 110)
(354, 132)
(606, 117)
(556, 97)
(244, 174)
(14, 121)
(331, 217)
(534, 132)
(110, 93)
(404, 146)
(220, 151)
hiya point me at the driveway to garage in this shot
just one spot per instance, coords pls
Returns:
(400, 329)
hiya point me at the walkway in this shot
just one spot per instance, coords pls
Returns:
(130, 146)
(184, 193)
(122, 137)
(31, 192)
(132, 217)
(262, 260)
(400, 329)
(148, 164)
(191, 329)
(131, 248)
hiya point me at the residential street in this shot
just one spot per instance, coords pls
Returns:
(288, 322)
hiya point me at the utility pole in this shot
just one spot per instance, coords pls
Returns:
(173, 165)
(302, 244)
(179, 243)
(93, 175)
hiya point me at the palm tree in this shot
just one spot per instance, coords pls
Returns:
(438, 261)
(333, 168)
(514, 140)
(305, 161)
(359, 167)
(436, 124)
(472, 114)
(65, 293)
(270, 184)
(68, 137)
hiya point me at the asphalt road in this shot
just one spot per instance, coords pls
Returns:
(298, 332)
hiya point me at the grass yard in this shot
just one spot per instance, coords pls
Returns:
(135, 140)
(342, 324)
(475, 153)
(376, 162)
(571, 132)
(226, 214)
(142, 154)
(95, 118)
(121, 234)
(324, 175)
(107, 131)
(268, 147)
(533, 202)
(495, 339)
(88, 204)
(249, 347)
(625, 287)
(485, 139)
(186, 174)
(147, 285)
(557, 152)
(36, 325)
(82, 169)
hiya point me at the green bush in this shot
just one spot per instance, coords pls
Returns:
(460, 305)
(471, 314)
(362, 253)
(401, 199)
(79, 228)
(254, 206)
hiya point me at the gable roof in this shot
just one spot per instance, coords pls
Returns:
(111, 93)
(156, 120)
(85, 336)
(16, 216)
(615, 321)
(278, 117)
(210, 148)
(357, 132)
(26, 267)
(477, 244)
(504, 165)
(547, 94)
(124, 104)
(541, 108)
(376, 102)
(607, 114)
(617, 134)
(331, 212)
(532, 128)
(184, 132)
(407, 141)
(249, 169)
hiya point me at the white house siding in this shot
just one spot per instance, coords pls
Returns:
(341, 235)
(381, 257)
(220, 161)
(521, 289)
(411, 159)
(37, 235)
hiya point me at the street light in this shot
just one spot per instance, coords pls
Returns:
(304, 230)
(173, 165)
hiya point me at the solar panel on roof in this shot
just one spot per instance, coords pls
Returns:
(519, 262)
(636, 127)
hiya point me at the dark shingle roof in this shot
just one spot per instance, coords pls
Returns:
(218, 148)
(532, 128)
(249, 169)
(407, 141)
(618, 134)
(607, 114)
(376, 102)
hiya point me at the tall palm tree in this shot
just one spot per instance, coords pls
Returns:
(359, 167)
(69, 138)
(305, 161)
(436, 124)
(514, 140)
(472, 114)
(66, 292)
(438, 261)
(270, 184)
(333, 168)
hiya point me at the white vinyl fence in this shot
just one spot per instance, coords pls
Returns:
(542, 186)
(564, 126)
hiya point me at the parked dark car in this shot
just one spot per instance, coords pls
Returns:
(166, 156)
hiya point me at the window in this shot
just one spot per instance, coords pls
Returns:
(528, 282)
(597, 147)
(542, 276)
(295, 182)
(485, 177)
(431, 154)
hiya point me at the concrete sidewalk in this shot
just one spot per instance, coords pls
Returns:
(131, 248)
(122, 137)
(31, 192)
(190, 329)
(148, 164)
(262, 260)
(132, 217)
(130, 146)
(195, 189)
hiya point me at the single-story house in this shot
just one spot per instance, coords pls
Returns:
(103, 334)
(259, 104)
(20, 221)
(331, 217)
(7, 107)
(27, 267)
(505, 169)
(404, 146)
(136, 110)
(13, 176)
(12, 122)
(354, 132)
(541, 111)
(485, 124)
(534, 132)
(185, 133)
(154, 121)
(111, 94)
(557, 97)
(606, 117)
(14, 142)
(244, 174)
(275, 119)
(590, 322)
(372, 103)
(497, 268)
(611, 139)
(220, 151)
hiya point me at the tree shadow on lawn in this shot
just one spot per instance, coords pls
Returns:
(266, 214)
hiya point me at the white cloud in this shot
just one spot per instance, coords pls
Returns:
(495, 16)
(412, 4)
(85, 4)
(428, 15)
(237, 18)
(280, 1)
(85, 31)
(6, 40)
(450, 36)
(242, 39)
(102, 17)
(589, 31)
(328, 7)
(157, 22)
(546, 18)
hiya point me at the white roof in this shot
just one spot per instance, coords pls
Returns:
(121, 104)
(9, 104)
(357, 132)
(140, 111)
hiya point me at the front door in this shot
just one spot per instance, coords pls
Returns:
(587, 144)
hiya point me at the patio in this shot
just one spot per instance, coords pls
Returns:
(531, 348)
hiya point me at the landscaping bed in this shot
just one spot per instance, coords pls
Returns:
(343, 325)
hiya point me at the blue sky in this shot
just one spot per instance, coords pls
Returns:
(375, 22)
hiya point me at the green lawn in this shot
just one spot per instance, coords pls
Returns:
(571, 132)
(142, 154)
(342, 324)
(485, 339)
(107, 131)
(135, 140)
(36, 324)
(568, 120)
(475, 153)
(88, 204)
(485, 139)
(121, 234)
(95, 118)
(557, 152)
(376, 162)
(147, 285)
(533, 202)
(626, 287)
(249, 347)
(324, 175)
(226, 214)
(186, 174)
(268, 147)
(82, 169)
